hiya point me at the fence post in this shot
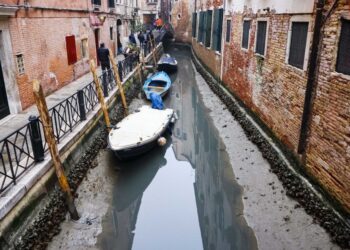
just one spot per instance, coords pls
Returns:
(100, 95)
(118, 81)
(105, 83)
(47, 125)
(35, 137)
(81, 102)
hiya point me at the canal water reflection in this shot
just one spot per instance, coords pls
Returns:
(181, 196)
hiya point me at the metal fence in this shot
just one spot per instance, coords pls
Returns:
(24, 147)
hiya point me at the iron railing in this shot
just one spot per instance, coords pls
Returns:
(24, 147)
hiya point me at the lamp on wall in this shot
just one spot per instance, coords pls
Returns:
(102, 18)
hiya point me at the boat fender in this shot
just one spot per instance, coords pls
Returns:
(161, 141)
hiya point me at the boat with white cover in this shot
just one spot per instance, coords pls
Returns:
(138, 132)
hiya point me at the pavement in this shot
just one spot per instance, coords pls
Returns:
(15, 121)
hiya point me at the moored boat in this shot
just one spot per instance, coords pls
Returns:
(167, 63)
(138, 132)
(158, 83)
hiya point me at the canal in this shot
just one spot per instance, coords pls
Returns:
(207, 188)
(182, 196)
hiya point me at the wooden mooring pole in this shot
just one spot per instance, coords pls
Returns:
(51, 142)
(100, 95)
(154, 54)
(119, 83)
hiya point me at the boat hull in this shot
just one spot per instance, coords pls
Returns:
(126, 154)
(168, 68)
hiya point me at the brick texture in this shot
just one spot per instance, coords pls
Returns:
(40, 36)
(275, 90)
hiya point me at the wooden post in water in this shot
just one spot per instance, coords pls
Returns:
(117, 80)
(100, 94)
(154, 54)
(51, 142)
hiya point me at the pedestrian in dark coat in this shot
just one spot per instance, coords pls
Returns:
(103, 57)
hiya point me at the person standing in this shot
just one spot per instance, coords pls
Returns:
(103, 57)
(119, 44)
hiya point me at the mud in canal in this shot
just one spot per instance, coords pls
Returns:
(209, 187)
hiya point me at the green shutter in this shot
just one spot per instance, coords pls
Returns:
(221, 17)
(208, 27)
(215, 30)
(194, 24)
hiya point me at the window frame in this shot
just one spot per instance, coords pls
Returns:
(266, 36)
(346, 19)
(249, 33)
(228, 19)
(299, 18)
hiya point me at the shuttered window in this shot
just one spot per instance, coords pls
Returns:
(201, 26)
(343, 60)
(96, 2)
(111, 3)
(71, 50)
(217, 29)
(298, 44)
(228, 31)
(245, 36)
(194, 24)
(261, 38)
(208, 19)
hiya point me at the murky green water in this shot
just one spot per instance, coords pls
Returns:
(181, 196)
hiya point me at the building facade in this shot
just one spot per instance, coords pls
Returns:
(53, 42)
(149, 11)
(295, 84)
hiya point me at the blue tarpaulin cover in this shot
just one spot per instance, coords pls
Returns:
(157, 102)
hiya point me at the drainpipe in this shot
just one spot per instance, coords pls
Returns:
(312, 74)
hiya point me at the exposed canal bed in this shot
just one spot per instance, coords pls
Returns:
(208, 188)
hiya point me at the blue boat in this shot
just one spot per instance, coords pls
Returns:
(158, 83)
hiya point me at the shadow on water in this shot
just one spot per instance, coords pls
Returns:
(196, 167)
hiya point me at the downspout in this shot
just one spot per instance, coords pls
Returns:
(312, 74)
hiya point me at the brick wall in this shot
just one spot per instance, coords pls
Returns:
(328, 153)
(40, 37)
(181, 20)
(275, 90)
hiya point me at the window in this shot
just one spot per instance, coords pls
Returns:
(201, 27)
(111, 4)
(111, 33)
(71, 50)
(151, 1)
(245, 36)
(298, 44)
(194, 24)
(20, 64)
(261, 38)
(217, 29)
(96, 2)
(343, 59)
(208, 19)
(84, 48)
(228, 31)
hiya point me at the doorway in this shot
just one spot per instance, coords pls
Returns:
(4, 107)
(97, 39)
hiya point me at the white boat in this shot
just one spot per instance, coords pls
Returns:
(138, 132)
